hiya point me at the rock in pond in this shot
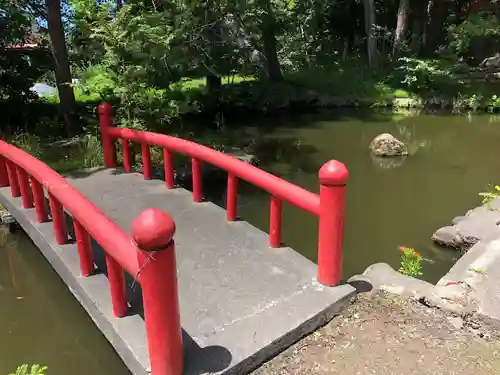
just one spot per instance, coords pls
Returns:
(387, 145)
(449, 237)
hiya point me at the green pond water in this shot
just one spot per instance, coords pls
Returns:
(41, 322)
(389, 203)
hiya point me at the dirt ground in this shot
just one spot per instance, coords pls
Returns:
(385, 334)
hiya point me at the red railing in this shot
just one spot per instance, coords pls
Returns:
(328, 205)
(152, 231)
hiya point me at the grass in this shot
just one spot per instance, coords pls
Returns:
(85, 152)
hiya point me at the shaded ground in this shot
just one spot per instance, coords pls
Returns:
(387, 334)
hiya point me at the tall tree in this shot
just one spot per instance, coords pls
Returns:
(62, 66)
(268, 30)
(402, 25)
(371, 39)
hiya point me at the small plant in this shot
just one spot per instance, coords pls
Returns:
(490, 196)
(26, 370)
(411, 262)
(477, 270)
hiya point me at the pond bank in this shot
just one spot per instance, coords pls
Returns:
(381, 333)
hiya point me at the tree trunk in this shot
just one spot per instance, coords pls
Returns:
(402, 26)
(371, 40)
(268, 29)
(436, 12)
(119, 4)
(62, 69)
(419, 13)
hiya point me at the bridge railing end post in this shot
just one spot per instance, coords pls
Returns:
(108, 144)
(333, 177)
(153, 232)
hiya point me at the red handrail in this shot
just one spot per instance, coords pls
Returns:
(116, 242)
(328, 205)
(28, 177)
(275, 186)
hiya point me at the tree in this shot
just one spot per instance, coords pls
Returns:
(62, 66)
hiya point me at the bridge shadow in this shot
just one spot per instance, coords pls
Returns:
(198, 360)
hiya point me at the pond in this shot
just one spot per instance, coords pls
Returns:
(390, 202)
(42, 323)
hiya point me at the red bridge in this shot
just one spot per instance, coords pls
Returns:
(241, 296)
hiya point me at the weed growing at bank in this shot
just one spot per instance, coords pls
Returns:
(411, 262)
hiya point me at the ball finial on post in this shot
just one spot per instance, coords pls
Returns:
(153, 230)
(333, 173)
(333, 176)
(104, 109)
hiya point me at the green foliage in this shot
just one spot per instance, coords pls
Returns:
(490, 196)
(33, 370)
(483, 24)
(19, 68)
(424, 75)
(411, 262)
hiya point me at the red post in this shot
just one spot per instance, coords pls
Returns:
(153, 231)
(117, 289)
(24, 184)
(333, 176)
(127, 156)
(12, 177)
(84, 250)
(39, 198)
(108, 143)
(275, 222)
(197, 180)
(146, 161)
(57, 211)
(4, 179)
(232, 197)
(168, 165)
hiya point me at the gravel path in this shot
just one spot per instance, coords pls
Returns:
(385, 334)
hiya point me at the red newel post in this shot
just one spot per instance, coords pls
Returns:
(108, 144)
(333, 176)
(153, 231)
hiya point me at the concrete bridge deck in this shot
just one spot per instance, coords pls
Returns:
(241, 301)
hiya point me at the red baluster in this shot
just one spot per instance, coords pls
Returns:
(39, 198)
(84, 249)
(12, 177)
(24, 185)
(232, 197)
(275, 222)
(127, 156)
(333, 176)
(153, 231)
(169, 169)
(57, 212)
(197, 180)
(108, 143)
(117, 289)
(146, 161)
